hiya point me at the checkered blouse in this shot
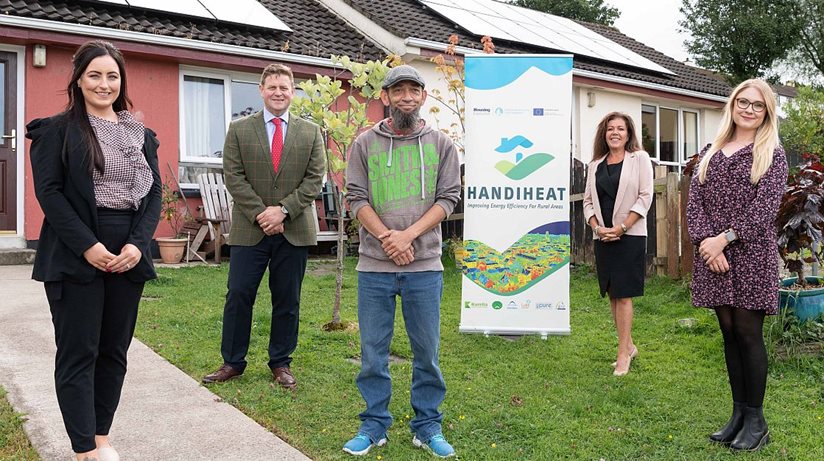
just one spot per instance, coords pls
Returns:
(127, 177)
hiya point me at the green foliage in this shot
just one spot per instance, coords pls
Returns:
(14, 445)
(170, 207)
(582, 10)
(341, 123)
(811, 46)
(788, 337)
(802, 131)
(741, 38)
(527, 399)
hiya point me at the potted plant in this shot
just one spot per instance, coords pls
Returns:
(171, 248)
(800, 225)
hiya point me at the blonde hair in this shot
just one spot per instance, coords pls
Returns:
(766, 137)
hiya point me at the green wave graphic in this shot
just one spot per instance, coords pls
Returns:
(525, 167)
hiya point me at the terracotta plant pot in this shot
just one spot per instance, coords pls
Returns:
(171, 249)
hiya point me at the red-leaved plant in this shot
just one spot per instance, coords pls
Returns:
(800, 222)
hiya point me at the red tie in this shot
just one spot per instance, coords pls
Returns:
(277, 143)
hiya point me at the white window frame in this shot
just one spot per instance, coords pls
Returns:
(684, 158)
(680, 155)
(227, 78)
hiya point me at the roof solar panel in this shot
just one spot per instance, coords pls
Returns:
(249, 12)
(184, 7)
(509, 22)
(246, 12)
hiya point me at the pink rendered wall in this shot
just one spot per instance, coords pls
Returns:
(153, 88)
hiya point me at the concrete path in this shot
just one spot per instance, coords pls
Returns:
(164, 414)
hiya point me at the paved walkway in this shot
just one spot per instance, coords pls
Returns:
(164, 414)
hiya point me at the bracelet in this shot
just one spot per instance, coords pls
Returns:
(623, 228)
(596, 229)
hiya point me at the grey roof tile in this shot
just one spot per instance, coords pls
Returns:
(315, 30)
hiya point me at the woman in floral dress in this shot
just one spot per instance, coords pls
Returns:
(733, 202)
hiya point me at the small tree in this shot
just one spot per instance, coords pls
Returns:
(340, 124)
(451, 70)
(800, 219)
(170, 208)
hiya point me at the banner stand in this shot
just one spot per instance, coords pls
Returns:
(516, 250)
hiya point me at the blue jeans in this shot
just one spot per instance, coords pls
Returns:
(420, 294)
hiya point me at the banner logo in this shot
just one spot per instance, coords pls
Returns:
(523, 166)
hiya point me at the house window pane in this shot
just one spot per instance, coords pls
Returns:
(204, 117)
(649, 140)
(669, 135)
(690, 134)
(245, 99)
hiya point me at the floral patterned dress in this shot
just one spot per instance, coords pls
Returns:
(728, 200)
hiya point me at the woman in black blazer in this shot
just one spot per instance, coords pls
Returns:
(97, 180)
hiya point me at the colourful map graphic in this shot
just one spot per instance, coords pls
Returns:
(534, 256)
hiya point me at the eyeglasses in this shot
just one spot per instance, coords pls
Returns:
(744, 104)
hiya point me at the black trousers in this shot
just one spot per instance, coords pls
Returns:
(93, 327)
(287, 265)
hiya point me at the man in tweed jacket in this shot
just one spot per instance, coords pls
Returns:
(273, 164)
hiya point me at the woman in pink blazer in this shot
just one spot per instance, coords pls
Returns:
(616, 200)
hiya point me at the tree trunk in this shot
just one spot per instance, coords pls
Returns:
(341, 253)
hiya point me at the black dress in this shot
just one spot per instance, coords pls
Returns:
(620, 264)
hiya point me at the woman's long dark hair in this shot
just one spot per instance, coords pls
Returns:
(600, 147)
(76, 108)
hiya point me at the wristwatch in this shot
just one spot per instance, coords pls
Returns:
(730, 235)
(623, 228)
(284, 210)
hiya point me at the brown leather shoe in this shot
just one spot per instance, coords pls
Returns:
(223, 374)
(283, 376)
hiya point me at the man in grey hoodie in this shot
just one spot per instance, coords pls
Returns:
(402, 180)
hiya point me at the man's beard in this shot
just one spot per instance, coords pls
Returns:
(405, 121)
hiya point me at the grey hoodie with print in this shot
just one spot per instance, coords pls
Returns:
(422, 170)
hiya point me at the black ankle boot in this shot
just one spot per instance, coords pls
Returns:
(726, 434)
(754, 434)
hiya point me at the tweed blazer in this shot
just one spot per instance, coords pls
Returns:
(635, 191)
(254, 185)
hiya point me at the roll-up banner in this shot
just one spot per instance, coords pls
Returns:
(515, 257)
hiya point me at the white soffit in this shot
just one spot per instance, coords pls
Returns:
(244, 12)
(513, 23)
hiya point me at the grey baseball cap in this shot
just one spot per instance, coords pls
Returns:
(401, 73)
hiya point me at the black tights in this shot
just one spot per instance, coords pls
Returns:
(745, 353)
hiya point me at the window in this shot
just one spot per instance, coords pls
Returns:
(209, 101)
(690, 134)
(669, 134)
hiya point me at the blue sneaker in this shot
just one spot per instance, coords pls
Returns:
(437, 445)
(361, 443)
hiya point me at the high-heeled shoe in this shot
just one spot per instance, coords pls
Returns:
(108, 454)
(632, 355)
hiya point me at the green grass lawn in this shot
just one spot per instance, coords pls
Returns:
(13, 442)
(528, 399)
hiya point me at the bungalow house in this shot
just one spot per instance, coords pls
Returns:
(676, 106)
(193, 66)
